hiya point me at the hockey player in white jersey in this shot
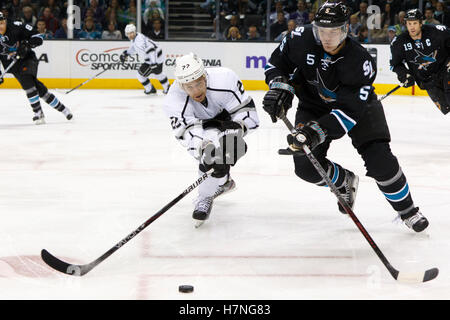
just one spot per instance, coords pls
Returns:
(151, 54)
(210, 114)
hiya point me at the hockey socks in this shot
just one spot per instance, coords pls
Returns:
(56, 104)
(33, 98)
(396, 192)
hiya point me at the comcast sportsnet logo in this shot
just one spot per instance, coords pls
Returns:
(108, 59)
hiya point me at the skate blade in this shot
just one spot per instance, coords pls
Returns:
(355, 186)
(39, 122)
(198, 223)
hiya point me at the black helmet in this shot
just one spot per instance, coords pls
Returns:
(413, 14)
(332, 14)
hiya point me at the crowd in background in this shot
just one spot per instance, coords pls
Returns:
(100, 19)
(236, 20)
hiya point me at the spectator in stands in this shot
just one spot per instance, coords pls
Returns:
(54, 8)
(234, 34)
(50, 22)
(112, 33)
(90, 14)
(98, 13)
(291, 25)
(362, 13)
(28, 16)
(363, 35)
(113, 9)
(300, 16)
(123, 15)
(311, 16)
(431, 4)
(41, 28)
(253, 34)
(62, 32)
(234, 22)
(392, 32)
(148, 13)
(400, 26)
(354, 26)
(14, 10)
(429, 12)
(441, 14)
(278, 27)
(388, 16)
(157, 32)
(279, 8)
(89, 32)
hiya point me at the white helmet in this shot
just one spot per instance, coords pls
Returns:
(130, 28)
(188, 68)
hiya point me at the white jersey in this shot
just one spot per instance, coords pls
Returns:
(224, 92)
(147, 49)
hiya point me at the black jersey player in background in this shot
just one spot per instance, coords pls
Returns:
(332, 76)
(16, 42)
(424, 48)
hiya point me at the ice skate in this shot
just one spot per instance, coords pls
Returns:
(39, 118)
(349, 190)
(227, 187)
(151, 91)
(415, 220)
(67, 113)
(165, 91)
(202, 210)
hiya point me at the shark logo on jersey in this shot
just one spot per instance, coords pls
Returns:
(326, 61)
(326, 94)
(4, 48)
(423, 60)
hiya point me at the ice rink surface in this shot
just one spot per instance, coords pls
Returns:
(76, 188)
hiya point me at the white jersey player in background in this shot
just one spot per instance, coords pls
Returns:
(210, 114)
(152, 55)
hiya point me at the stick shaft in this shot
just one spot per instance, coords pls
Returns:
(86, 81)
(390, 92)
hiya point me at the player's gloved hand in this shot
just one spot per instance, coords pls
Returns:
(224, 125)
(1, 81)
(23, 50)
(406, 79)
(123, 57)
(310, 134)
(278, 99)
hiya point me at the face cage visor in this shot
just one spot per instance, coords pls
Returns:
(330, 36)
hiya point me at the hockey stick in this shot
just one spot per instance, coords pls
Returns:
(390, 92)
(7, 69)
(400, 276)
(80, 270)
(86, 81)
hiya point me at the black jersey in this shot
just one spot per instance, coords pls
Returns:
(338, 87)
(425, 56)
(15, 34)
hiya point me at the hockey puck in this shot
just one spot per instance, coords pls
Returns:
(186, 288)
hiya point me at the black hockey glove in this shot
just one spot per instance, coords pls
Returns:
(278, 99)
(1, 81)
(23, 50)
(406, 79)
(223, 125)
(310, 134)
(123, 57)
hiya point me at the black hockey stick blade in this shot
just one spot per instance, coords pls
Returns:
(285, 152)
(64, 267)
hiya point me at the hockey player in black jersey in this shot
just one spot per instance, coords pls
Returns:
(16, 43)
(332, 76)
(425, 49)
